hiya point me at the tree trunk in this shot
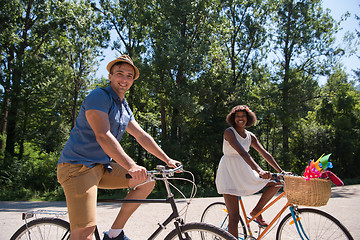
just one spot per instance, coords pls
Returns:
(163, 119)
(12, 120)
(73, 111)
(286, 87)
(4, 116)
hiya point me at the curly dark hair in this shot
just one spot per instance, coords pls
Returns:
(251, 117)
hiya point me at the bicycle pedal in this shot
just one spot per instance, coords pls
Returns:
(258, 223)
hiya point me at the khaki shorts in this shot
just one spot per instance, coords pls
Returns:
(80, 184)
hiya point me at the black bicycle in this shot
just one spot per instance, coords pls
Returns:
(53, 228)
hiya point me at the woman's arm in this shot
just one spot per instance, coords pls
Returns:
(265, 154)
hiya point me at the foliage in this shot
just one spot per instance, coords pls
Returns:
(32, 176)
(303, 35)
(197, 59)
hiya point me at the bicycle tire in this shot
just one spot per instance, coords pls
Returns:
(197, 230)
(216, 214)
(317, 225)
(43, 228)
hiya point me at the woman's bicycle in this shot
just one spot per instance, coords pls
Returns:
(299, 223)
(53, 228)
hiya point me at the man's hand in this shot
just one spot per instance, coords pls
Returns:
(173, 163)
(138, 172)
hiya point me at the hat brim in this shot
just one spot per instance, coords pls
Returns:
(111, 64)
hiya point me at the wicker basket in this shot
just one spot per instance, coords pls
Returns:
(313, 192)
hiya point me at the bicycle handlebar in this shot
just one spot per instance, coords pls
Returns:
(277, 177)
(161, 170)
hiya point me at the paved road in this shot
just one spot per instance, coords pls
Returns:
(343, 204)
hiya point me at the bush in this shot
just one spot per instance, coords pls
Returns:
(32, 177)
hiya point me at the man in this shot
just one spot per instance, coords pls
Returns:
(84, 164)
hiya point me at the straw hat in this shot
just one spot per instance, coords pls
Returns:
(126, 59)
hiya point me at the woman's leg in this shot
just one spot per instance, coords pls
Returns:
(232, 205)
(271, 189)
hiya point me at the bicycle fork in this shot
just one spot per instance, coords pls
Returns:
(297, 222)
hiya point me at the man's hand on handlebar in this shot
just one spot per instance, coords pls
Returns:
(173, 163)
(138, 172)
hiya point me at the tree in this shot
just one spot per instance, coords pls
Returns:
(179, 39)
(48, 47)
(27, 25)
(303, 37)
(357, 71)
(61, 74)
(340, 111)
(78, 47)
(242, 34)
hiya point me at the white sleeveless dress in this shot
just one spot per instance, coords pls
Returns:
(234, 176)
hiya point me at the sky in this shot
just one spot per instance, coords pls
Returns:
(337, 7)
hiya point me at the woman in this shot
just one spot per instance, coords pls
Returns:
(238, 174)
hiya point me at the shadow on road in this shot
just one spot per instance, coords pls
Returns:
(26, 206)
(342, 192)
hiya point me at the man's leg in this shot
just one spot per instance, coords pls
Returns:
(80, 187)
(127, 209)
(115, 180)
(82, 233)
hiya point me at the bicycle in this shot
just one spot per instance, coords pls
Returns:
(300, 223)
(52, 228)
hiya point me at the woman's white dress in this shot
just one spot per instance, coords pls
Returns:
(234, 176)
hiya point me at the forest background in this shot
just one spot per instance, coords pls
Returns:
(197, 59)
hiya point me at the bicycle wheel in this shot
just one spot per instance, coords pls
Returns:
(196, 231)
(216, 214)
(44, 229)
(316, 225)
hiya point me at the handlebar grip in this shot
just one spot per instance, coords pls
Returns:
(159, 170)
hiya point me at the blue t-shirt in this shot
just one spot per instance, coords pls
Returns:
(82, 147)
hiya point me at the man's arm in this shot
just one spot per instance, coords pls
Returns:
(148, 143)
(99, 122)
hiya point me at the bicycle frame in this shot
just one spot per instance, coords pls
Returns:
(61, 228)
(169, 200)
(247, 221)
